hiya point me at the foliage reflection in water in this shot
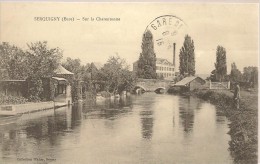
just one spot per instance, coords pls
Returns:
(139, 129)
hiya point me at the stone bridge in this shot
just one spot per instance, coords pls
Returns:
(151, 85)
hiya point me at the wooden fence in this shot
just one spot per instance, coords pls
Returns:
(219, 85)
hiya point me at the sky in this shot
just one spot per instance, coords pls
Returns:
(233, 26)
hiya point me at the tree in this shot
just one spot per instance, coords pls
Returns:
(36, 63)
(74, 65)
(93, 72)
(147, 59)
(213, 76)
(13, 61)
(115, 77)
(221, 64)
(93, 80)
(42, 61)
(187, 57)
(250, 75)
(235, 74)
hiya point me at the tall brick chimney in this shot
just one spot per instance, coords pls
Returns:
(174, 44)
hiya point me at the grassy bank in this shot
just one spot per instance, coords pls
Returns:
(243, 126)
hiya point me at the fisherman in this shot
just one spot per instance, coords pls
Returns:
(237, 95)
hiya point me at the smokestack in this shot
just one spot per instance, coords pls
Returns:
(174, 44)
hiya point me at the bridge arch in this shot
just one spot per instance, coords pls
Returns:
(140, 87)
(159, 89)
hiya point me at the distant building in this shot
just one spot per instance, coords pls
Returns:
(57, 88)
(62, 84)
(13, 87)
(190, 83)
(62, 71)
(98, 65)
(164, 68)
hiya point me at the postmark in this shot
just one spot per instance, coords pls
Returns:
(167, 29)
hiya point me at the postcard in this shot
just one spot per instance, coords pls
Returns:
(114, 82)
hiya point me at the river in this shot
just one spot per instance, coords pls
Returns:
(148, 128)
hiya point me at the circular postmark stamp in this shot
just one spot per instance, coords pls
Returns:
(166, 30)
(168, 35)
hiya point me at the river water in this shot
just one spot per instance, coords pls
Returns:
(148, 128)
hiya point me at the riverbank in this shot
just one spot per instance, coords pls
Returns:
(244, 121)
(31, 107)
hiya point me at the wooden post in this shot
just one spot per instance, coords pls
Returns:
(209, 84)
(55, 88)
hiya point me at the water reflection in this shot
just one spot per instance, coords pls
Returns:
(76, 114)
(187, 106)
(146, 115)
(147, 124)
(108, 108)
(139, 129)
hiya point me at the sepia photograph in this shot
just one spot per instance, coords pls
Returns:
(129, 82)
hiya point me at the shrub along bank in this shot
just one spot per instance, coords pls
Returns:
(7, 100)
(243, 126)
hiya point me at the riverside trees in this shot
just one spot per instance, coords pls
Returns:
(220, 71)
(79, 70)
(221, 63)
(42, 63)
(235, 74)
(147, 59)
(39, 61)
(115, 76)
(187, 57)
(35, 63)
(249, 77)
(13, 62)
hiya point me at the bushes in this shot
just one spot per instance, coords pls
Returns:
(220, 99)
(6, 100)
